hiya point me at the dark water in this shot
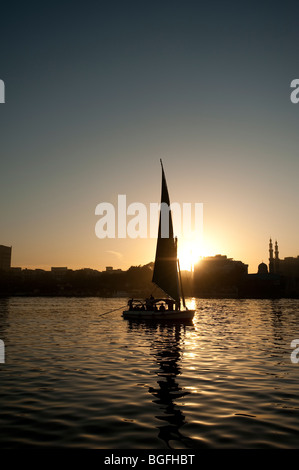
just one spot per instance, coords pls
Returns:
(72, 378)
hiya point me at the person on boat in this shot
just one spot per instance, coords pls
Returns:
(169, 304)
(149, 302)
(130, 304)
(162, 308)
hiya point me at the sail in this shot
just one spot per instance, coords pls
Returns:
(165, 273)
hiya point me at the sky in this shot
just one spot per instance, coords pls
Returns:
(97, 92)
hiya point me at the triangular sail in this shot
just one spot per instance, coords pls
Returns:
(165, 273)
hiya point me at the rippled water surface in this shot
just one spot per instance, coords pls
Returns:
(74, 378)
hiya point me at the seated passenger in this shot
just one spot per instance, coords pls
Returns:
(149, 302)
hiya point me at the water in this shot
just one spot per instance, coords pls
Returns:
(75, 379)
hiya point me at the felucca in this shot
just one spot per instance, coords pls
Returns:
(166, 275)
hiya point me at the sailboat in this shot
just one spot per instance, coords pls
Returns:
(166, 275)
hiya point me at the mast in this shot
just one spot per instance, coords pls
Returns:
(181, 284)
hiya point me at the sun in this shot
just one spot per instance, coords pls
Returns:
(189, 253)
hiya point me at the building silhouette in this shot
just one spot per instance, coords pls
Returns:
(213, 277)
(279, 279)
(288, 266)
(274, 261)
(287, 269)
(219, 276)
(5, 257)
(262, 269)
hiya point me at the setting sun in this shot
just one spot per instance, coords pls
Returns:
(189, 254)
(191, 251)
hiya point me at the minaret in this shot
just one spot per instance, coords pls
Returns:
(276, 261)
(271, 259)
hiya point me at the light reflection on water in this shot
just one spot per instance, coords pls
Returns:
(74, 378)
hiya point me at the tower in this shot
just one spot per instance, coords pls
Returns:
(271, 259)
(276, 261)
(5, 257)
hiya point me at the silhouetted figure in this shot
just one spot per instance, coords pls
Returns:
(149, 302)
(130, 304)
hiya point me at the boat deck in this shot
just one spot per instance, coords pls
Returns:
(158, 315)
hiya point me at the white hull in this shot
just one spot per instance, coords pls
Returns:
(153, 315)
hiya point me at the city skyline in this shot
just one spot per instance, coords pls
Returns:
(187, 264)
(90, 109)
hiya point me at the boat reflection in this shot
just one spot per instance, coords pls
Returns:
(167, 342)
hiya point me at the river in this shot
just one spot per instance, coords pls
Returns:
(75, 378)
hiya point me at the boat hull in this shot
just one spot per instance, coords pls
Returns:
(153, 315)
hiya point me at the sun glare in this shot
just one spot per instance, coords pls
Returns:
(189, 254)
